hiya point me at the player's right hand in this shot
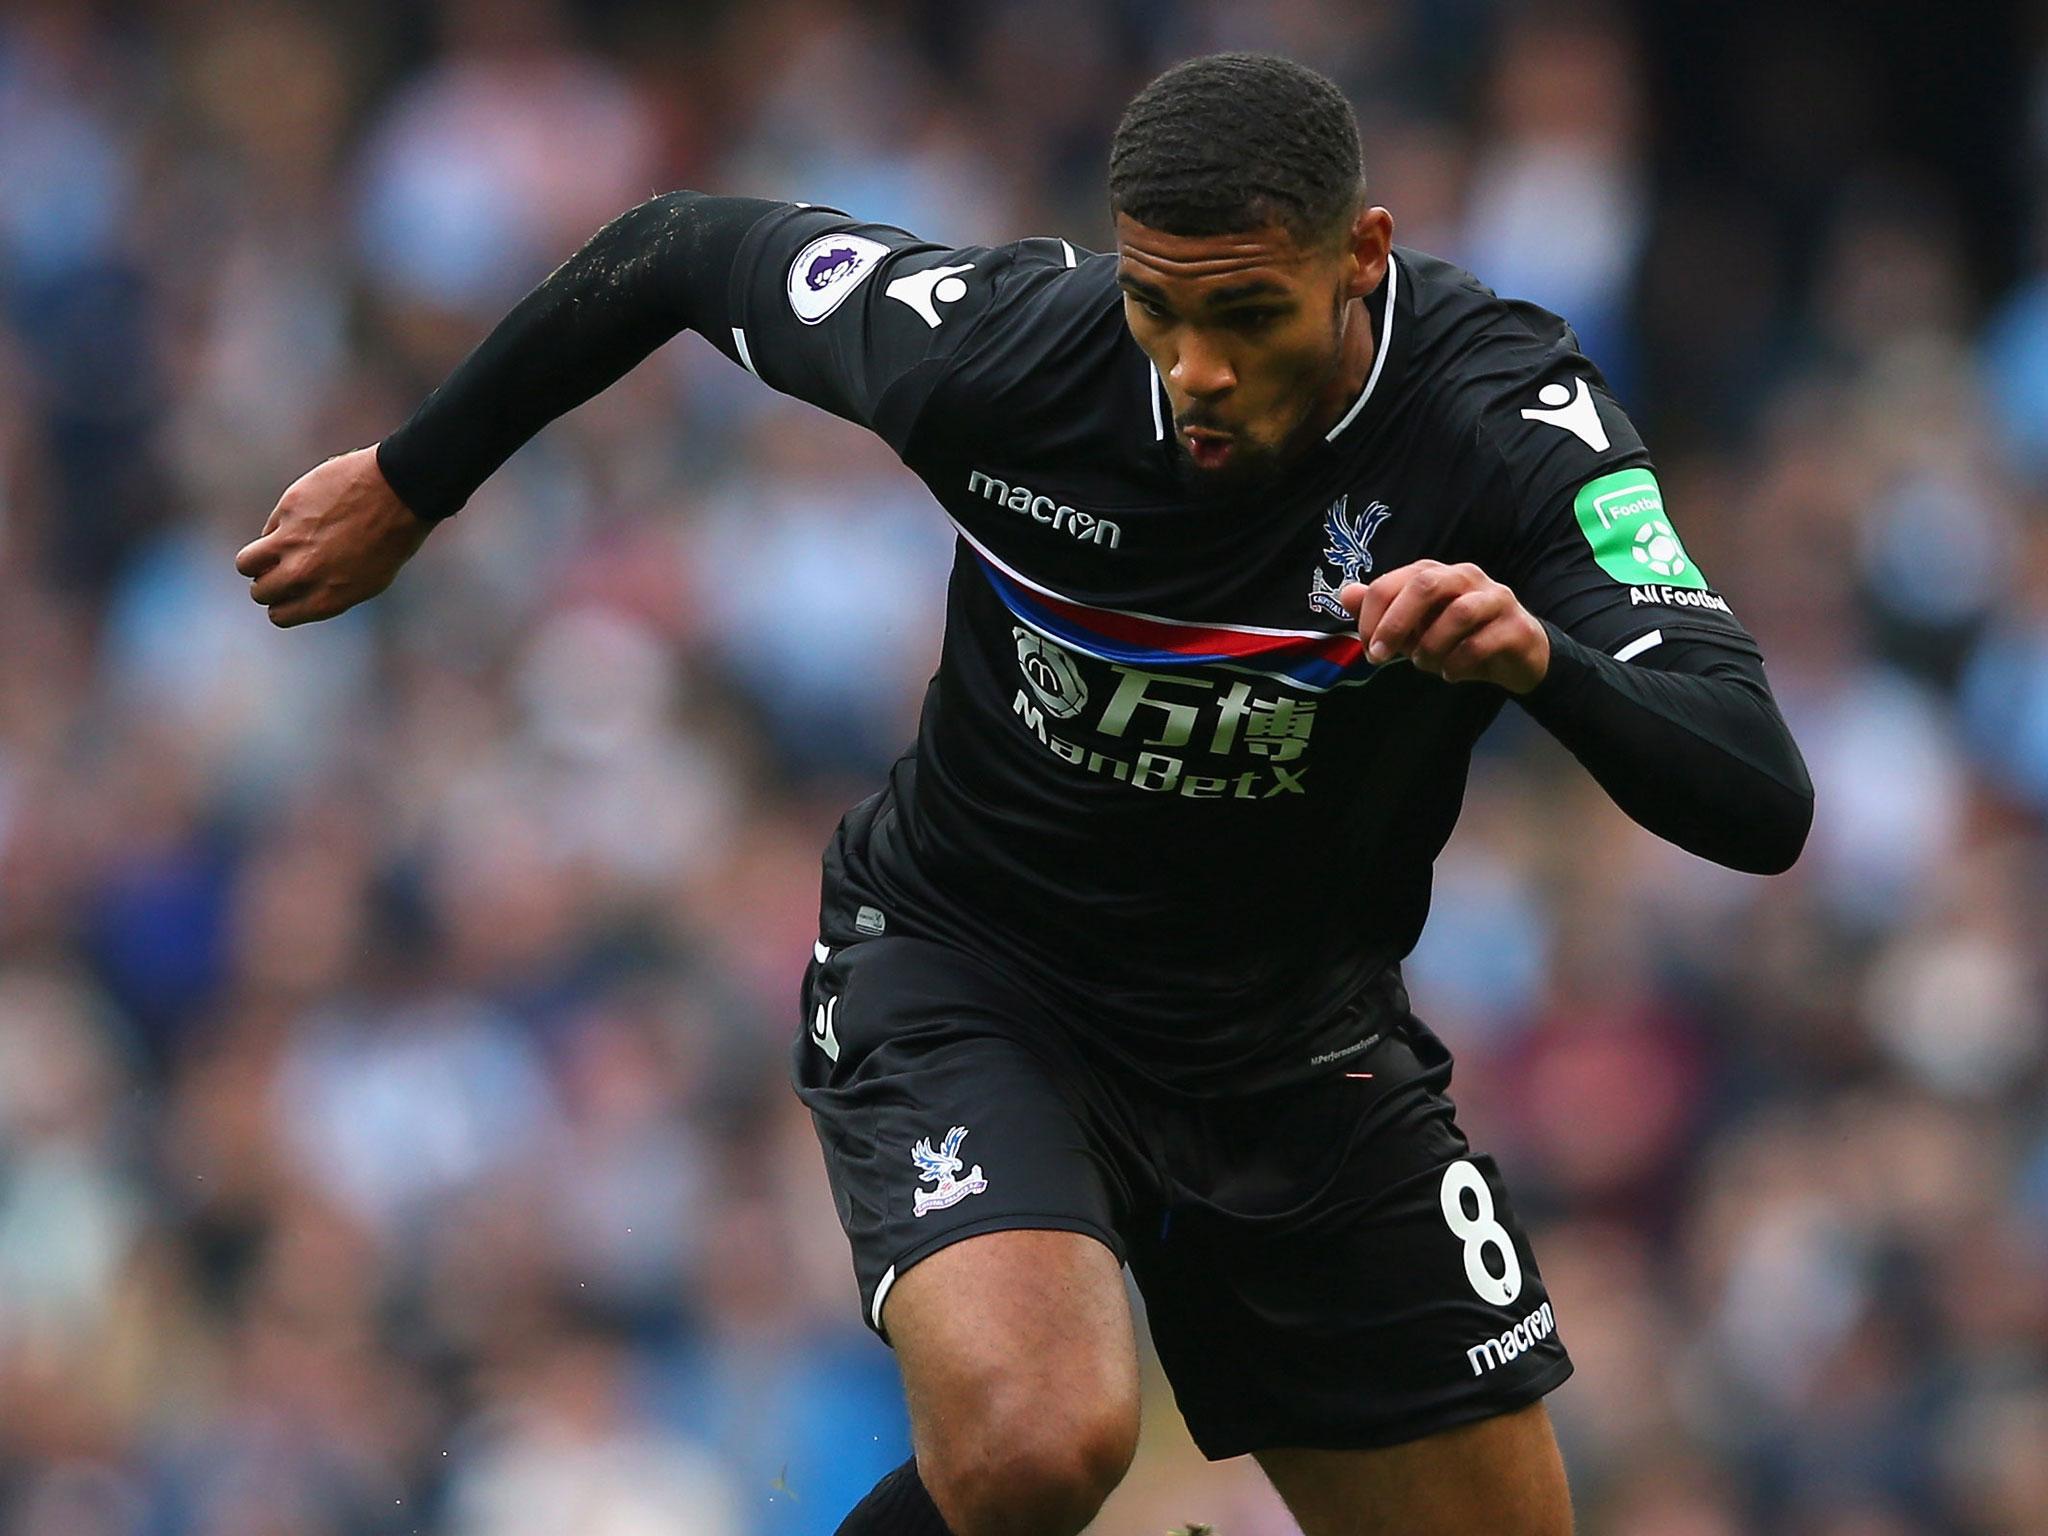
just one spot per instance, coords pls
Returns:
(1452, 621)
(336, 538)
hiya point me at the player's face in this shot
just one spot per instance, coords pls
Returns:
(1259, 337)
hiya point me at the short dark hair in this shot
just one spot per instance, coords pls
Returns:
(1232, 141)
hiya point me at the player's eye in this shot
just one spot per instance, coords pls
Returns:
(1253, 320)
(1150, 310)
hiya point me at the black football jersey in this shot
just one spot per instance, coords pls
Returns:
(1156, 778)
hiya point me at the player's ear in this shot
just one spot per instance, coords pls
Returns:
(1368, 243)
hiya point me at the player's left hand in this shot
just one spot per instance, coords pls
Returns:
(1453, 621)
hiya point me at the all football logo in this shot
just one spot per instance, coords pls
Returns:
(1622, 517)
(1658, 548)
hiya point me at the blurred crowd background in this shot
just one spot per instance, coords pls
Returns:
(394, 1012)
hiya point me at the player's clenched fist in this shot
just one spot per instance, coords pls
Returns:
(1451, 620)
(336, 538)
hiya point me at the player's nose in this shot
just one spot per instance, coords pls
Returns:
(1202, 371)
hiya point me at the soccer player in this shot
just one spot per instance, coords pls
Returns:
(1261, 520)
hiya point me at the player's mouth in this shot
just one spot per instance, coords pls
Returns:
(1209, 449)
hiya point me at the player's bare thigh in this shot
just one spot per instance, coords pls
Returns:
(1021, 1370)
(1497, 1477)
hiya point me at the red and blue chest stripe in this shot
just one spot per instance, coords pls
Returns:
(1310, 659)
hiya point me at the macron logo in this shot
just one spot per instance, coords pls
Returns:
(824, 1033)
(1572, 410)
(1491, 1354)
(1044, 509)
(925, 291)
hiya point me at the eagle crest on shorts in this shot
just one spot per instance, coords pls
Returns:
(942, 1168)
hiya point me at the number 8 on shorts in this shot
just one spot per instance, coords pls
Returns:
(1478, 1231)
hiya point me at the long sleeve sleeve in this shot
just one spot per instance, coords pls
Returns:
(861, 319)
(657, 269)
(1654, 684)
(1690, 745)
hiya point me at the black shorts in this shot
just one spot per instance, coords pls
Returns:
(1324, 1265)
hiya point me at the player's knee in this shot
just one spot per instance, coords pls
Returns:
(1033, 1474)
(1539, 1516)
(1543, 1520)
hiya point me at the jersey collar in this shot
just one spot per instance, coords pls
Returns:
(1387, 297)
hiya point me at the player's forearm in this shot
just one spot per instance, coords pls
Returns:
(657, 269)
(1695, 750)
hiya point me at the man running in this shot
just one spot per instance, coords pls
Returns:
(1261, 521)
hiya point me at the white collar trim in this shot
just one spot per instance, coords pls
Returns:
(1379, 359)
